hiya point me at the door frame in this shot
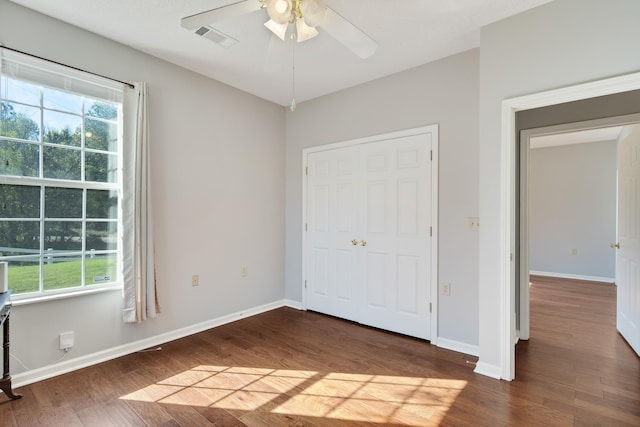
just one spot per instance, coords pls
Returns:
(525, 150)
(507, 333)
(428, 129)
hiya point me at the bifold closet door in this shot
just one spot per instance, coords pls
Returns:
(331, 257)
(395, 215)
(367, 244)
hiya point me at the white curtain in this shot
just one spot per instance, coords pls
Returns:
(140, 297)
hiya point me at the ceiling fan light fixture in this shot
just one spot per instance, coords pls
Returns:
(304, 32)
(279, 30)
(279, 10)
(312, 11)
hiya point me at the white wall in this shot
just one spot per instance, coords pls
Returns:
(572, 205)
(443, 92)
(561, 43)
(218, 184)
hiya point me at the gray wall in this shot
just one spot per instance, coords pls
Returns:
(443, 92)
(572, 205)
(218, 184)
(559, 44)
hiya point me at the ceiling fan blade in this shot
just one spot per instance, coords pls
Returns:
(348, 34)
(220, 14)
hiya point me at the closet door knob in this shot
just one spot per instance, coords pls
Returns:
(354, 242)
(363, 243)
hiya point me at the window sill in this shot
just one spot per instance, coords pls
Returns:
(16, 300)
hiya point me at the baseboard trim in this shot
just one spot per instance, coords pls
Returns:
(488, 370)
(35, 375)
(458, 346)
(573, 276)
(50, 371)
(293, 304)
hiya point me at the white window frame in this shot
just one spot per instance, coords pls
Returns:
(42, 73)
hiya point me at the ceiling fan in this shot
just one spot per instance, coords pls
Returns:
(304, 15)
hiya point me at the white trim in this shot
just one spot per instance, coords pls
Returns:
(525, 169)
(492, 371)
(507, 312)
(435, 144)
(22, 299)
(573, 276)
(373, 138)
(293, 304)
(458, 346)
(34, 375)
(305, 171)
(428, 129)
(509, 108)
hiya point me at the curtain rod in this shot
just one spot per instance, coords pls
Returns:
(65, 65)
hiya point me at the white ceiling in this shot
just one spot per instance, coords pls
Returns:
(409, 33)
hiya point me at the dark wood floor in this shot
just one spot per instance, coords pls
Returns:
(292, 368)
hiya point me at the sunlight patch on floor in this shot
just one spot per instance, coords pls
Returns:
(343, 396)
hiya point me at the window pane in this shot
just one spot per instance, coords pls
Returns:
(101, 135)
(64, 101)
(102, 236)
(100, 109)
(19, 201)
(102, 204)
(19, 121)
(61, 163)
(100, 269)
(62, 236)
(101, 167)
(60, 225)
(62, 128)
(24, 275)
(19, 237)
(16, 90)
(62, 272)
(62, 202)
(18, 158)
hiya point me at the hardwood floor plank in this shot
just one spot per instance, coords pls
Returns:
(6, 415)
(292, 368)
(47, 417)
(219, 417)
(97, 416)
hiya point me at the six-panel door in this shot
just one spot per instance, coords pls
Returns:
(368, 230)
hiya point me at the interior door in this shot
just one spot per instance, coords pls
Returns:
(628, 255)
(395, 218)
(332, 271)
(367, 249)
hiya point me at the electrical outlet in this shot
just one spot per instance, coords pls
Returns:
(446, 289)
(66, 340)
(474, 224)
(195, 280)
(574, 251)
(244, 271)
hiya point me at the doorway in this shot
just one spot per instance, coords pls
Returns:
(627, 86)
(574, 236)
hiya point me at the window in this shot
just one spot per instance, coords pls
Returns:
(60, 178)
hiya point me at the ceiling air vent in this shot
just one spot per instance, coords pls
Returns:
(216, 36)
